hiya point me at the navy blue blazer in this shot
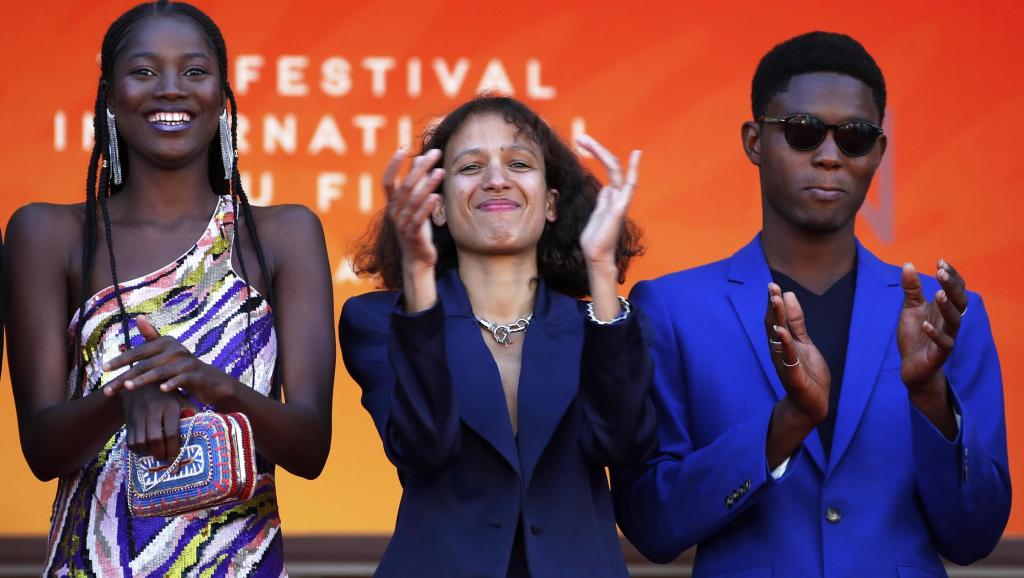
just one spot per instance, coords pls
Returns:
(435, 395)
(894, 494)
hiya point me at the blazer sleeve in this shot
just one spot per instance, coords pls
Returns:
(399, 362)
(616, 370)
(964, 484)
(684, 494)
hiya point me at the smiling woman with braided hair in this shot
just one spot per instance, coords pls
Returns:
(185, 330)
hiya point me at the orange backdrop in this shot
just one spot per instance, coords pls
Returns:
(329, 88)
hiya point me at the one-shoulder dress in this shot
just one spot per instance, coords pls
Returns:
(201, 301)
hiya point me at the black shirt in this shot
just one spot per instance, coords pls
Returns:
(828, 323)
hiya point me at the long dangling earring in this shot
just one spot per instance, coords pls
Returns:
(115, 157)
(227, 151)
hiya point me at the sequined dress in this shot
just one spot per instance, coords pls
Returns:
(201, 301)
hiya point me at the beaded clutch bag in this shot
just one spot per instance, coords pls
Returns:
(216, 465)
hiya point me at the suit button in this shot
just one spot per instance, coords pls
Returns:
(746, 485)
(536, 530)
(833, 515)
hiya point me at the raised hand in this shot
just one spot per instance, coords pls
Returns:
(927, 330)
(800, 366)
(163, 361)
(925, 335)
(803, 372)
(600, 236)
(410, 202)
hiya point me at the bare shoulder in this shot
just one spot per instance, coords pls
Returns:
(46, 225)
(286, 225)
(286, 215)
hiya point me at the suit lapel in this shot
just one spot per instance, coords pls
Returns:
(876, 306)
(749, 274)
(549, 376)
(474, 374)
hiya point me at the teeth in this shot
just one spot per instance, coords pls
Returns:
(170, 117)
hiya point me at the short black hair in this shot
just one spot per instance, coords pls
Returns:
(815, 52)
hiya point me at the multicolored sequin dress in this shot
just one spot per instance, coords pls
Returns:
(201, 301)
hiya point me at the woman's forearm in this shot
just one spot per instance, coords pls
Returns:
(63, 438)
(293, 436)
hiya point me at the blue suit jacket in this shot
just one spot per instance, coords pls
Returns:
(901, 494)
(435, 395)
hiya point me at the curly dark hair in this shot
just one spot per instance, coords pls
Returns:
(560, 260)
(815, 52)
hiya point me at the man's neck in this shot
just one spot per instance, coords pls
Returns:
(814, 260)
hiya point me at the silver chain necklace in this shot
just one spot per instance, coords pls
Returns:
(503, 333)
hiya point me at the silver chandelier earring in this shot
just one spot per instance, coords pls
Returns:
(227, 151)
(113, 154)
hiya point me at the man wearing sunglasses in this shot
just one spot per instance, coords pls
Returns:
(821, 413)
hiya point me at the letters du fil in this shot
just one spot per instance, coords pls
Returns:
(293, 76)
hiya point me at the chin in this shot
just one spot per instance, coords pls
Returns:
(498, 246)
(823, 226)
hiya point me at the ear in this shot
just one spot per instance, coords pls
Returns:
(883, 142)
(438, 215)
(551, 205)
(750, 133)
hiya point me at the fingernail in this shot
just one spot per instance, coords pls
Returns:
(106, 367)
(775, 328)
(928, 326)
(129, 384)
(941, 296)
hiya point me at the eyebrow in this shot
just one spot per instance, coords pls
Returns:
(475, 150)
(187, 55)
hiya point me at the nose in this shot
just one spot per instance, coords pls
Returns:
(827, 155)
(495, 178)
(169, 86)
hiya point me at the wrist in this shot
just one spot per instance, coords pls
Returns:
(786, 432)
(932, 395)
(603, 278)
(223, 396)
(792, 419)
(419, 287)
(602, 267)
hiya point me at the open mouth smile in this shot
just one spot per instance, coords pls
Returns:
(170, 120)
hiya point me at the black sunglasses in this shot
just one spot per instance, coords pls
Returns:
(804, 132)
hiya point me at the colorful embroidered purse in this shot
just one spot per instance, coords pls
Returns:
(216, 465)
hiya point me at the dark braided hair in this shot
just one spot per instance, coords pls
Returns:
(560, 260)
(114, 42)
